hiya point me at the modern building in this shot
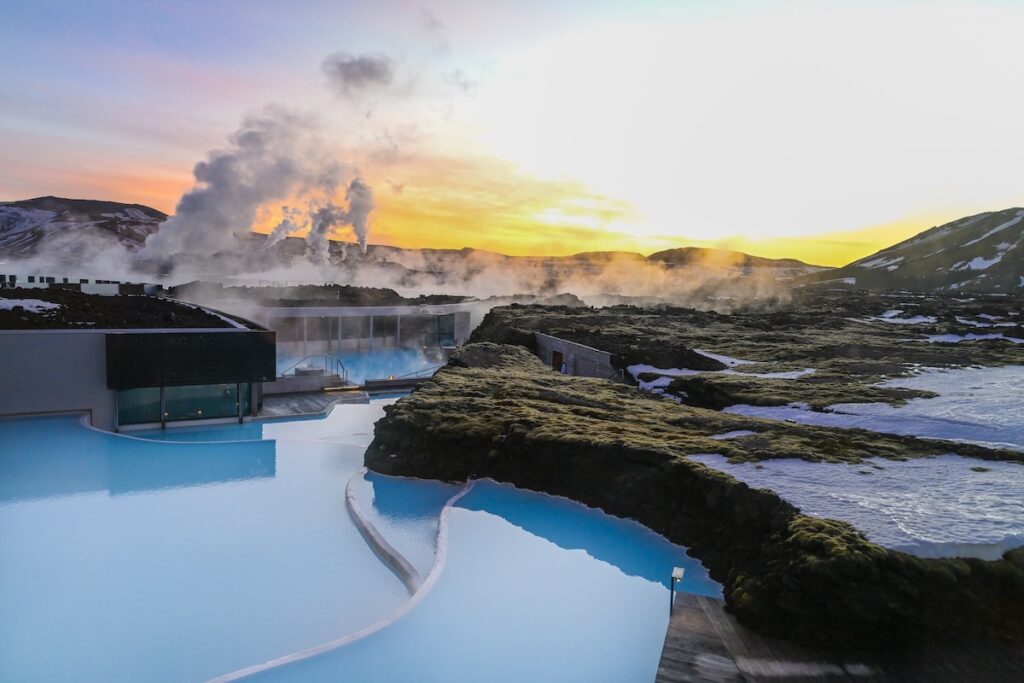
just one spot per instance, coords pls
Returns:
(304, 331)
(139, 377)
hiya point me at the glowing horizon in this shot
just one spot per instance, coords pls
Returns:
(816, 131)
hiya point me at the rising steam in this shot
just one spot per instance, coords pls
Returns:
(275, 156)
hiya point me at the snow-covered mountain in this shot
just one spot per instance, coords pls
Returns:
(982, 253)
(69, 224)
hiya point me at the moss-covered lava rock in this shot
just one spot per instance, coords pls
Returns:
(497, 412)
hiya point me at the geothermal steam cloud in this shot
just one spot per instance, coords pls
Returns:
(275, 156)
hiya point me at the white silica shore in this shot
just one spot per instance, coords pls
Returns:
(974, 405)
(929, 507)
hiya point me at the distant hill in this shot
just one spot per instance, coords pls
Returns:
(71, 234)
(982, 253)
(724, 258)
(25, 225)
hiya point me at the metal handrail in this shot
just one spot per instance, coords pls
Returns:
(330, 363)
(432, 369)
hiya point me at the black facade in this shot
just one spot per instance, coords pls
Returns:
(164, 359)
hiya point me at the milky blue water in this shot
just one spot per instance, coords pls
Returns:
(131, 559)
(364, 365)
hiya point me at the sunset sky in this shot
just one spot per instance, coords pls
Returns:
(817, 130)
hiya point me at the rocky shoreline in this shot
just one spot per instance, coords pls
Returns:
(497, 412)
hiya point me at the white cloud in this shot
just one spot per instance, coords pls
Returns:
(789, 120)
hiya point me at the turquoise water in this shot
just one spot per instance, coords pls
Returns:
(364, 365)
(133, 559)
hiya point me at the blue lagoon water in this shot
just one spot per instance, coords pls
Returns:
(201, 552)
(379, 364)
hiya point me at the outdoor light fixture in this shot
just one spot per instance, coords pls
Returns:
(677, 576)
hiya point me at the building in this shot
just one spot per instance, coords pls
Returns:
(80, 284)
(573, 358)
(304, 331)
(139, 376)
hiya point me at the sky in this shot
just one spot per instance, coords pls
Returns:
(815, 130)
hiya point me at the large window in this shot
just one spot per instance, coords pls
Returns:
(200, 401)
(137, 406)
(193, 402)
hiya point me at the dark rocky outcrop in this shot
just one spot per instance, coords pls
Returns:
(498, 412)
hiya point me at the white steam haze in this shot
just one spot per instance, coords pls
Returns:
(302, 173)
(276, 156)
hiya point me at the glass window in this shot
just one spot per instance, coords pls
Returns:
(200, 401)
(136, 406)
(446, 329)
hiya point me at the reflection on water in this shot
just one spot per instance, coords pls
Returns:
(406, 512)
(535, 589)
(364, 365)
(36, 465)
(231, 554)
(631, 547)
(224, 554)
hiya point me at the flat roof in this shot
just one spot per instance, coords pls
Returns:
(64, 309)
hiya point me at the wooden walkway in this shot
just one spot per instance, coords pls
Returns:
(316, 403)
(705, 643)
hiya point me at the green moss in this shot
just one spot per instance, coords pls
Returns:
(506, 416)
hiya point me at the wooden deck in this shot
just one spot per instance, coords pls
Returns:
(704, 643)
(308, 404)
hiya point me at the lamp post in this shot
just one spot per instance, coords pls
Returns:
(677, 576)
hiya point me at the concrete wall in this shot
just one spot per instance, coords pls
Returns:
(579, 360)
(294, 385)
(55, 371)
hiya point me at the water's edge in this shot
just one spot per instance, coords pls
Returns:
(394, 560)
(440, 557)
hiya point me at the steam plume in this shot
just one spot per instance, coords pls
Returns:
(276, 155)
(352, 75)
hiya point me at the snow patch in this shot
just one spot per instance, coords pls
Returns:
(724, 436)
(30, 305)
(915, 320)
(970, 336)
(999, 228)
(929, 507)
(974, 405)
(883, 261)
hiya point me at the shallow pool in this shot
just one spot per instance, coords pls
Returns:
(380, 364)
(201, 555)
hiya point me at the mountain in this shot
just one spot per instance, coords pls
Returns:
(69, 223)
(72, 235)
(982, 253)
(734, 260)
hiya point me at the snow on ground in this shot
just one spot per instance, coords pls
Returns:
(657, 385)
(929, 507)
(782, 374)
(733, 434)
(970, 336)
(727, 360)
(993, 321)
(639, 369)
(882, 261)
(31, 305)
(890, 317)
(998, 228)
(974, 405)
(979, 262)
